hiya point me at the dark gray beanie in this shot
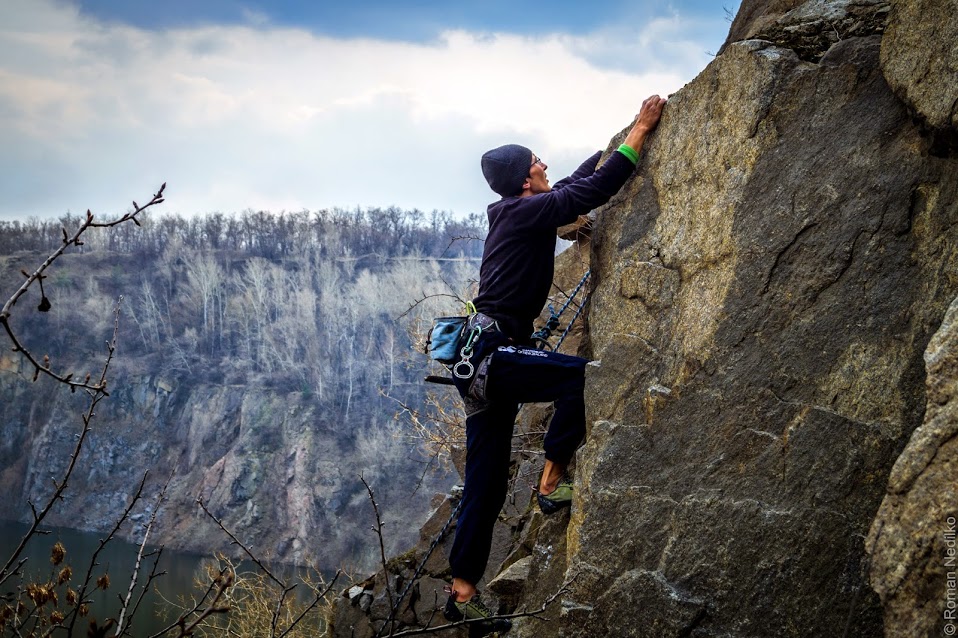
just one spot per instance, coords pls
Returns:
(506, 168)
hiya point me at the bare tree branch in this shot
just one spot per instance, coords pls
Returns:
(462, 623)
(81, 600)
(237, 541)
(153, 575)
(188, 630)
(97, 394)
(120, 627)
(38, 276)
(319, 595)
(456, 238)
(425, 297)
(285, 589)
(220, 584)
(382, 550)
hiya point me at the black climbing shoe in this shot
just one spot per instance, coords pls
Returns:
(558, 499)
(473, 609)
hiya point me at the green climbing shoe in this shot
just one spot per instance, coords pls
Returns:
(473, 609)
(558, 499)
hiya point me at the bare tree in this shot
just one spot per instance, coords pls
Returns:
(206, 279)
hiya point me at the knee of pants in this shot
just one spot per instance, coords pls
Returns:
(487, 490)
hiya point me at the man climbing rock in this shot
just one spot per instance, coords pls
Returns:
(503, 369)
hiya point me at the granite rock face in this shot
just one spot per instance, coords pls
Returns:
(919, 57)
(913, 539)
(764, 290)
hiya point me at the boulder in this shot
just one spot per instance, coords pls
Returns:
(919, 57)
(510, 581)
(809, 28)
(913, 539)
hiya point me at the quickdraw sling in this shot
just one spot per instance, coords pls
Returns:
(541, 336)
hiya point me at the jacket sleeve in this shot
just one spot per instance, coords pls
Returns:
(585, 169)
(563, 205)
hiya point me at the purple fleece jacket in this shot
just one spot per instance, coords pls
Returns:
(519, 253)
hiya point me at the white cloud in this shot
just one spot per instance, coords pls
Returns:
(92, 114)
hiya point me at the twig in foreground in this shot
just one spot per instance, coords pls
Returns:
(382, 553)
(120, 627)
(38, 276)
(97, 395)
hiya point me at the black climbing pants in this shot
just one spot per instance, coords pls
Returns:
(517, 374)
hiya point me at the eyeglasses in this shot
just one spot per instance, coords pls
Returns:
(536, 160)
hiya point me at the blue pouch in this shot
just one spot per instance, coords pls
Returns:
(444, 339)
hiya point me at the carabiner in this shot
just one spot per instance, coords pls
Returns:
(464, 362)
(466, 354)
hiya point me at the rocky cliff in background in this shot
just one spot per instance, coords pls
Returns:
(280, 472)
(260, 361)
(763, 292)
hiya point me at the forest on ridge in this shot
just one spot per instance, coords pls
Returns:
(306, 301)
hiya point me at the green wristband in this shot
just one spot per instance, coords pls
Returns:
(629, 152)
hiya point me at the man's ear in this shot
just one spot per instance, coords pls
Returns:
(526, 185)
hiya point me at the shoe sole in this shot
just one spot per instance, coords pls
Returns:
(551, 507)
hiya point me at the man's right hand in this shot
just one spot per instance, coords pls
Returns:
(646, 120)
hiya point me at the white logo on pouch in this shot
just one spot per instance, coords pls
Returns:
(529, 352)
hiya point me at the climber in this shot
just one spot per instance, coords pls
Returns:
(514, 281)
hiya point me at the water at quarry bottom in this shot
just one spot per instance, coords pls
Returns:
(161, 606)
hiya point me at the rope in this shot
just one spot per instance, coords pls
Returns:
(574, 317)
(418, 572)
(542, 335)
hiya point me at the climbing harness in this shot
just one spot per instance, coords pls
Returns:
(541, 336)
(476, 325)
(447, 332)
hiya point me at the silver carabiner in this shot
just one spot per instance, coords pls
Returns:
(464, 362)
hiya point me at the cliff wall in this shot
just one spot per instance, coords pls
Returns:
(779, 265)
(763, 293)
(259, 361)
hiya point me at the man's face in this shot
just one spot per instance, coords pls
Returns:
(537, 182)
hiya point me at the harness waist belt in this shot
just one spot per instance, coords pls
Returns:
(482, 321)
(477, 389)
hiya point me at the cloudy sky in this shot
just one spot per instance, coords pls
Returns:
(288, 105)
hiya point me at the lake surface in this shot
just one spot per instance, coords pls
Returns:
(117, 559)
